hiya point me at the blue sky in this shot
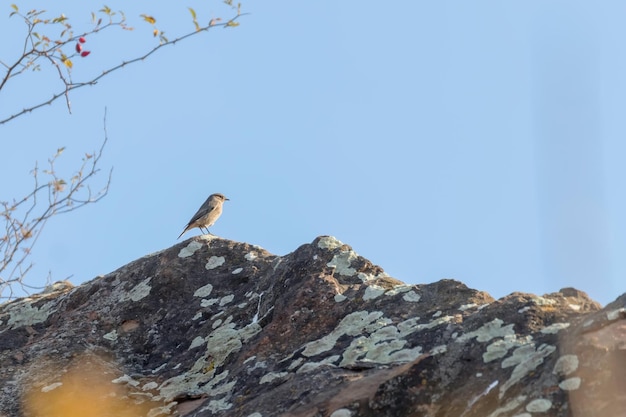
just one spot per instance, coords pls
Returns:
(481, 141)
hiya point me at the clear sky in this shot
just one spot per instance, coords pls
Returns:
(482, 141)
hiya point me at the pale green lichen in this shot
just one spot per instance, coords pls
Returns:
(499, 348)
(488, 331)
(554, 328)
(540, 405)
(329, 242)
(201, 378)
(24, 314)
(399, 289)
(138, 292)
(342, 412)
(214, 262)
(434, 323)
(112, 336)
(543, 301)
(353, 324)
(150, 386)
(372, 292)
(369, 349)
(510, 406)
(371, 277)
(437, 350)
(339, 298)
(209, 302)
(342, 261)
(293, 365)
(226, 340)
(190, 249)
(570, 384)
(165, 410)
(216, 406)
(565, 365)
(376, 340)
(226, 299)
(406, 325)
(311, 366)
(525, 359)
(272, 376)
(203, 291)
(197, 341)
(411, 297)
(126, 379)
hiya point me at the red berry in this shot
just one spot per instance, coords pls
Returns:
(85, 53)
(82, 40)
(79, 47)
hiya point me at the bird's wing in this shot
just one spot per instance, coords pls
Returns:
(208, 206)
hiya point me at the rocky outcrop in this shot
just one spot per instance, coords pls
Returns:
(212, 327)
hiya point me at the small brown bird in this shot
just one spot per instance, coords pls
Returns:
(208, 213)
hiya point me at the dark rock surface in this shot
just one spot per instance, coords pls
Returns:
(215, 327)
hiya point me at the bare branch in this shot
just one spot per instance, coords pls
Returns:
(25, 218)
(69, 86)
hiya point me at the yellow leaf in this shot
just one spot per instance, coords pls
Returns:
(193, 13)
(232, 24)
(68, 63)
(59, 185)
(14, 7)
(155, 33)
(59, 19)
(148, 19)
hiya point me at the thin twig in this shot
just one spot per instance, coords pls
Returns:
(23, 231)
(73, 86)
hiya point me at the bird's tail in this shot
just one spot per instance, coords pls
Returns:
(186, 228)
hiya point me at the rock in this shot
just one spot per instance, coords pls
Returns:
(212, 327)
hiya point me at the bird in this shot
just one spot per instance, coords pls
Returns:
(207, 214)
